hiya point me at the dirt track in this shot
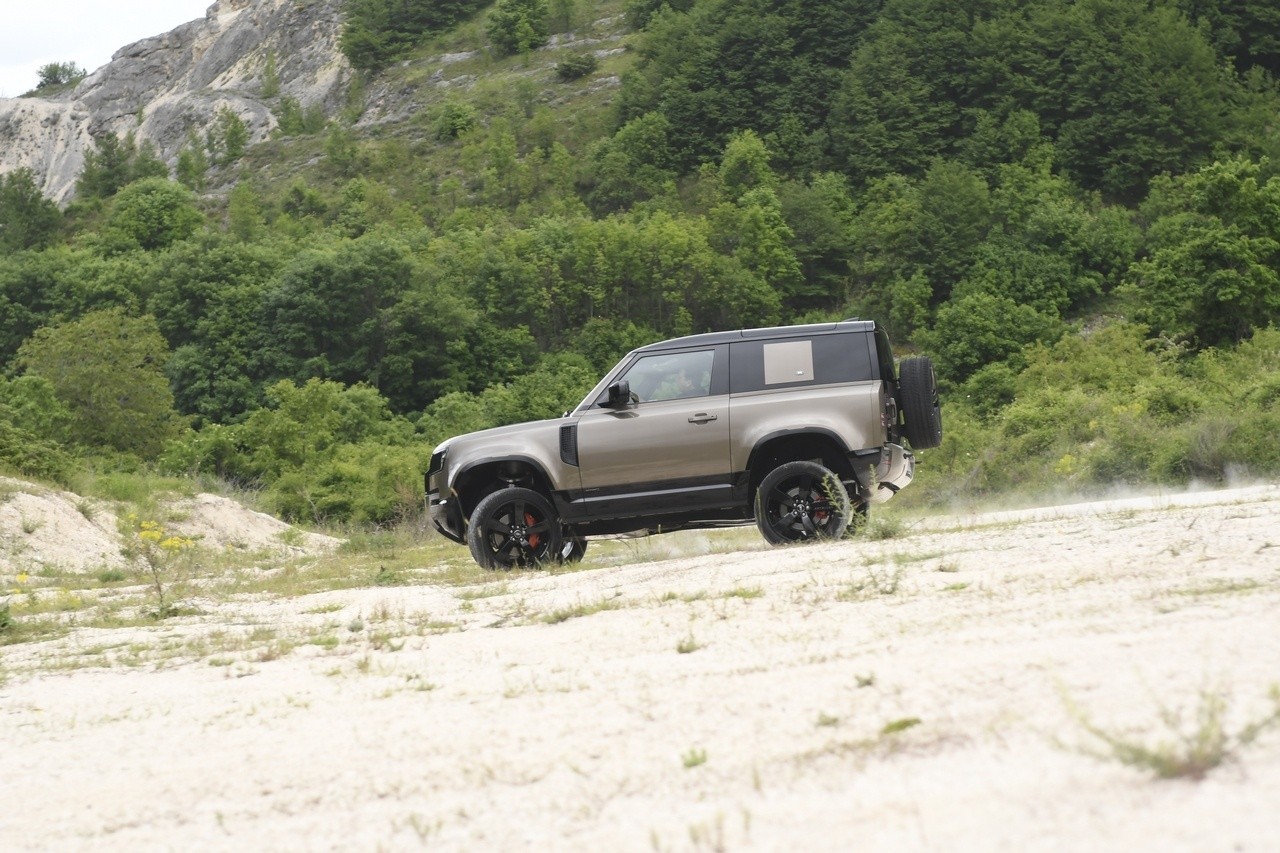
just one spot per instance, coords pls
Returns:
(929, 691)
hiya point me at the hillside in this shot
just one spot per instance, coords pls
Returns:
(950, 685)
(324, 236)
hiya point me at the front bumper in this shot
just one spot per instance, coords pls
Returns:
(442, 505)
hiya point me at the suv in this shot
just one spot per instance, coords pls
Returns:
(797, 428)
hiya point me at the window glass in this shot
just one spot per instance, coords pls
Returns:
(671, 376)
(790, 361)
(816, 360)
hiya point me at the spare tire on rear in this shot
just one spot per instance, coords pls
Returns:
(921, 410)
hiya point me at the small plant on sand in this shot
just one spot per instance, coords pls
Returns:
(1190, 745)
(688, 645)
(162, 556)
(694, 758)
(882, 527)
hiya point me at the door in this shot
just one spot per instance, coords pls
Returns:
(669, 450)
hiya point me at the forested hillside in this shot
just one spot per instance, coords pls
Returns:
(1074, 207)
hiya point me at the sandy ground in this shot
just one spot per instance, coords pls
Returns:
(925, 692)
(48, 528)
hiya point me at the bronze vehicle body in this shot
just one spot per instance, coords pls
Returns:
(798, 428)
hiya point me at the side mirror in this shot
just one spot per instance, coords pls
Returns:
(619, 395)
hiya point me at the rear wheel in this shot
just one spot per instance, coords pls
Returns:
(513, 528)
(802, 501)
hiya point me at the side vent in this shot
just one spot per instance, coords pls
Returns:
(569, 444)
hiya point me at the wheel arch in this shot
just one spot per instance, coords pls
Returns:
(797, 445)
(478, 479)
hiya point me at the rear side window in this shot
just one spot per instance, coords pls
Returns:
(796, 362)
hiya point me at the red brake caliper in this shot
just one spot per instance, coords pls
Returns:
(535, 538)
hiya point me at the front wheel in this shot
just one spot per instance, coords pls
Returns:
(802, 501)
(514, 528)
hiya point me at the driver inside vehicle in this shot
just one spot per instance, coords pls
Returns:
(679, 385)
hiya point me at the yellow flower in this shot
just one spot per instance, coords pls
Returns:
(23, 577)
(150, 535)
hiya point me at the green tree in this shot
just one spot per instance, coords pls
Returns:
(56, 74)
(518, 26)
(107, 368)
(153, 213)
(376, 32)
(28, 220)
(1212, 275)
(115, 162)
(227, 137)
(329, 314)
(193, 164)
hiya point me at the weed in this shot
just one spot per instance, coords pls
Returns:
(881, 527)
(694, 758)
(875, 581)
(745, 592)
(356, 625)
(161, 554)
(867, 680)
(31, 525)
(87, 508)
(1186, 749)
(826, 720)
(895, 726)
(566, 613)
(688, 645)
(333, 607)
(387, 577)
(6, 618)
(110, 576)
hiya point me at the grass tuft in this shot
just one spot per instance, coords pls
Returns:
(1188, 746)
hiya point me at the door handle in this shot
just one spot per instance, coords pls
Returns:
(701, 418)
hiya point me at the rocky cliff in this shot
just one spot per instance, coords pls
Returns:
(164, 87)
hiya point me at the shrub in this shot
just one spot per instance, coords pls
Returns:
(576, 66)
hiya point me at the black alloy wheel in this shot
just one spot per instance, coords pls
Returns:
(802, 501)
(514, 528)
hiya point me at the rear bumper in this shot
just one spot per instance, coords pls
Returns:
(896, 470)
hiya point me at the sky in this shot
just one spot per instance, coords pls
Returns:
(86, 32)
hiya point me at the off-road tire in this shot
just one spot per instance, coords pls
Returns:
(514, 528)
(921, 409)
(800, 502)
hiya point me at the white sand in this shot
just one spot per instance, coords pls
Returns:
(575, 735)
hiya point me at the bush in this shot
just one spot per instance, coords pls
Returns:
(576, 66)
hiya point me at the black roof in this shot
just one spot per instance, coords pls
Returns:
(714, 338)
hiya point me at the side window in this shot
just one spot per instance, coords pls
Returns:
(671, 376)
(817, 360)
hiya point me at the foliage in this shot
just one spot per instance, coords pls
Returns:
(227, 137)
(376, 32)
(1007, 186)
(107, 368)
(55, 74)
(150, 214)
(28, 220)
(575, 67)
(115, 162)
(1212, 274)
(518, 26)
